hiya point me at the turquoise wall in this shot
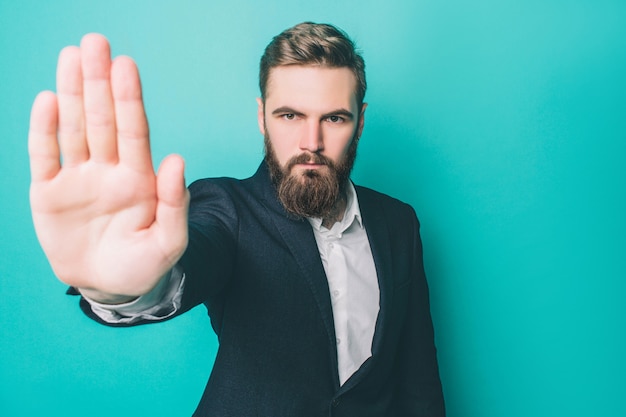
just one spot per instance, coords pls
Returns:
(502, 122)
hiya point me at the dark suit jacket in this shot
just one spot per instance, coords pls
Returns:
(259, 273)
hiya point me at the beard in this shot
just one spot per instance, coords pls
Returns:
(313, 192)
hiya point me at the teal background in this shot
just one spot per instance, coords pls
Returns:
(502, 122)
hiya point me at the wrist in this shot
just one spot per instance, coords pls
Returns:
(105, 298)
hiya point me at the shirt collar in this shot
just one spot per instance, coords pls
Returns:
(352, 213)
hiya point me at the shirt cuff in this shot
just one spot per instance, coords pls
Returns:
(160, 303)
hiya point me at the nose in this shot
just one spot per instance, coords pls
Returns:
(312, 137)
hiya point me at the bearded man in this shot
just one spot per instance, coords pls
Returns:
(314, 286)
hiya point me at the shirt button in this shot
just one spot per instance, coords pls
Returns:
(330, 246)
(338, 341)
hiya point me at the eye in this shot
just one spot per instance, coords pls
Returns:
(335, 119)
(288, 116)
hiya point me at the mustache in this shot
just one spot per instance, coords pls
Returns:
(309, 158)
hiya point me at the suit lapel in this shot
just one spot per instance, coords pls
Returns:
(378, 235)
(301, 242)
(299, 237)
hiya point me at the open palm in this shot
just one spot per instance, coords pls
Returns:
(106, 222)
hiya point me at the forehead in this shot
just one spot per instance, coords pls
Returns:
(316, 86)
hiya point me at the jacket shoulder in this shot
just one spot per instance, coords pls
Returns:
(392, 206)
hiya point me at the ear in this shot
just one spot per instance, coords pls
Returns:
(361, 120)
(261, 115)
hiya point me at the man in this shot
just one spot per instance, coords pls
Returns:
(314, 286)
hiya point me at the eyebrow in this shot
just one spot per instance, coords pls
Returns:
(338, 112)
(286, 109)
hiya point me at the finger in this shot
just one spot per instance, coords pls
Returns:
(98, 101)
(173, 202)
(43, 148)
(132, 126)
(71, 114)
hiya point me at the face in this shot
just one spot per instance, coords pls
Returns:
(311, 123)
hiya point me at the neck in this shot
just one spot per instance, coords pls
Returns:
(337, 212)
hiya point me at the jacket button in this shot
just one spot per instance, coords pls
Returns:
(336, 402)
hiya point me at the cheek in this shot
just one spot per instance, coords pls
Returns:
(282, 144)
(337, 148)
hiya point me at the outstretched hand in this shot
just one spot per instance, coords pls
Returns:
(106, 222)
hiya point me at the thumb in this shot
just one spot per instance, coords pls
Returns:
(172, 206)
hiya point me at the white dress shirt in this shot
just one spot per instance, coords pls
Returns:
(352, 281)
(353, 285)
